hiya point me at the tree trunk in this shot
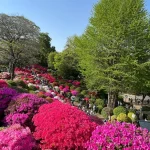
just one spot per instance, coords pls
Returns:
(12, 70)
(112, 99)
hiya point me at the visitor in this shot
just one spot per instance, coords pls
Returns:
(91, 112)
(79, 105)
(88, 112)
(94, 108)
(90, 105)
(83, 108)
(72, 100)
(56, 88)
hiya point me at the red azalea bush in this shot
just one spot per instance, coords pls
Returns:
(62, 126)
(3, 84)
(17, 138)
(48, 77)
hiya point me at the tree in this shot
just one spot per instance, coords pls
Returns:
(45, 48)
(115, 46)
(66, 62)
(51, 60)
(18, 40)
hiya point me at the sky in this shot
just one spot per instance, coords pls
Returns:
(60, 18)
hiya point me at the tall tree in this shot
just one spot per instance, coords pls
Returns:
(115, 46)
(45, 48)
(66, 62)
(18, 40)
(51, 60)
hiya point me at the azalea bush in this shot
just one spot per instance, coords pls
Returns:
(5, 75)
(6, 95)
(22, 108)
(17, 138)
(120, 137)
(62, 126)
(3, 84)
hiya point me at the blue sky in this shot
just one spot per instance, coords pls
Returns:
(60, 18)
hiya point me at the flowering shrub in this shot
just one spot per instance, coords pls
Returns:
(22, 109)
(17, 138)
(74, 92)
(119, 136)
(61, 126)
(48, 77)
(6, 95)
(4, 75)
(3, 84)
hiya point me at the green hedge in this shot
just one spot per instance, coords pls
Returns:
(118, 110)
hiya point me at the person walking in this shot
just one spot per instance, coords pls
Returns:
(72, 100)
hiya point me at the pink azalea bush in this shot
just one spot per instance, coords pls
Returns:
(4, 75)
(17, 138)
(62, 126)
(6, 95)
(120, 137)
(22, 108)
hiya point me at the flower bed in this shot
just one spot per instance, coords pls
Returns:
(22, 108)
(61, 126)
(119, 136)
(17, 138)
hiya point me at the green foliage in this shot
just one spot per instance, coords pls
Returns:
(51, 59)
(66, 62)
(132, 111)
(32, 91)
(45, 48)
(78, 89)
(99, 108)
(20, 89)
(106, 112)
(21, 83)
(32, 87)
(80, 95)
(11, 83)
(99, 102)
(84, 92)
(123, 118)
(120, 98)
(118, 110)
(72, 87)
(132, 116)
(113, 117)
(114, 50)
(145, 108)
